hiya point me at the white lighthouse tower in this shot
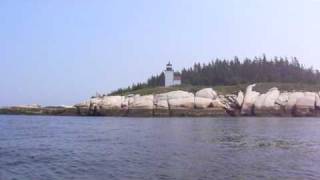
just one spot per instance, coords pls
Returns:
(170, 78)
(169, 75)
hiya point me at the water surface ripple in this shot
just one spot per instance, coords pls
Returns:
(99, 148)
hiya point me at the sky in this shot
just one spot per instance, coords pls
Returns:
(61, 52)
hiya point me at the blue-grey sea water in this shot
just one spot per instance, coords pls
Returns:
(103, 148)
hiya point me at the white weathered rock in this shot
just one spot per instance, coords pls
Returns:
(266, 103)
(258, 104)
(240, 98)
(208, 93)
(203, 103)
(128, 100)
(219, 103)
(142, 102)
(225, 101)
(83, 104)
(161, 97)
(307, 101)
(271, 97)
(249, 100)
(181, 103)
(125, 103)
(180, 99)
(163, 104)
(292, 100)
(310, 94)
(305, 105)
(111, 102)
(283, 99)
(93, 103)
(179, 95)
(84, 108)
(318, 100)
(161, 101)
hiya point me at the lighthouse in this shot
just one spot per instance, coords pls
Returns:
(171, 79)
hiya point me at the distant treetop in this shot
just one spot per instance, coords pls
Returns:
(233, 72)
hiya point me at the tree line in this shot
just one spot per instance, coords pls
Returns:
(234, 71)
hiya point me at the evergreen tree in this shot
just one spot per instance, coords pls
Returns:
(233, 72)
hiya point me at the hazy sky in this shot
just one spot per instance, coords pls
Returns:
(63, 51)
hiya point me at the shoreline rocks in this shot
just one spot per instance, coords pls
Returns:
(50, 110)
(306, 105)
(249, 100)
(266, 104)
(204, 103)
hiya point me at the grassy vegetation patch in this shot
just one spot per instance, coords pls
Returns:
(261, 87)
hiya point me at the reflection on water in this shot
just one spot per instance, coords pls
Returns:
(35, 147)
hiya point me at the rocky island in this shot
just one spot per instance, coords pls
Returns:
(219, 88)
(204, 103)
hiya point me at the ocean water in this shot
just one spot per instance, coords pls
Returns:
(103, 148)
